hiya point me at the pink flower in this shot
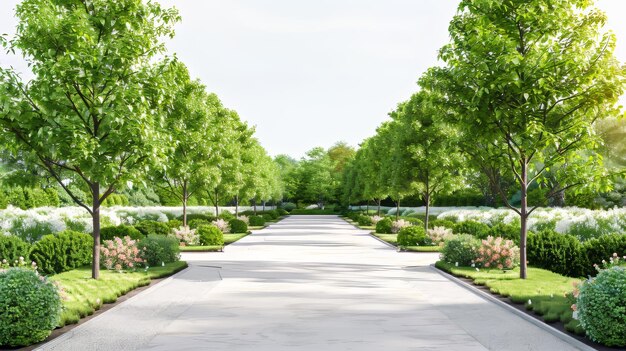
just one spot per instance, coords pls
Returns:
(574, 307)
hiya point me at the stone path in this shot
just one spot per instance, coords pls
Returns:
(308, 283)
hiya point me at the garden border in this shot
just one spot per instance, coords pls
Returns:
(489, 297)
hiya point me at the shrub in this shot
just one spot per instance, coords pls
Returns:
(186, 236)
(257, 221)
(62, 252)
(12, 248)
(222, 225)
(157, 249)
(396, 226)
(174, 223)
(477, 229)
(364, 220)
(30, 308)
(149, 227)
(559, 253)
(414, 221)
(226, 215)
(238, 226)
(120, 231)
(599, 248)
(384, 226)
(288, 206)
(246, 219)
(460, 250)
(273, 214)
(441, 223)
(496, 252)
(282, 212)
(601, 306)
(120, 253)
(268, 217)
(439, 235)
(192, 216)
(412, 236)
(506, 231)
(211, 236)
(197, 223)
(375, 219)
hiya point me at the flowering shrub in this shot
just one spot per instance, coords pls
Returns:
(601, 304)
(396, 226)
(222, 225)
(186, 236)
(30, 308)
(120, 254)
(438, 235)
(376, 219)
(461, 250)
(497, 253)
(245, 219)
(20, 262)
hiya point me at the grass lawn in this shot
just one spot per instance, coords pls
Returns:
(392, 239)
(228, 239)
(546, 290)
(84, 295)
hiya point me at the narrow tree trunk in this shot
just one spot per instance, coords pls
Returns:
(427, 200)
(263, 205)
(254, 204)
(95, 207)
(217, 207)
(398, 209)
(367, 207)
(237, 205)
(523, 220)
(184, 204)
(378, 209)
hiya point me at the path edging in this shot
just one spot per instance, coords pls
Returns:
(559, 334)
(370, 234)
(71, 332)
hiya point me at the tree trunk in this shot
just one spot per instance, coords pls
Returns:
(367, 207)
(254, 204)
(378, 205)
(427, 200)
(263, 205)
(237, 205)
(184, 204)
(217, 207)
(523, 219)
(95, 207)
(398, 209)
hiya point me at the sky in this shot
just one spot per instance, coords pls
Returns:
(311, 73)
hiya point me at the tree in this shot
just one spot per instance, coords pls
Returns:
(428, 148)
(85, 116)
(288, 168)
(316, 179)
(529, 79)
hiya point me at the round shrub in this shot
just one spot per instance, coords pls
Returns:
(288, 206)
(120, 231)
(12, 248)
(197, 223)
(412, 236)
(414, 221)
(268, 217)
(282, 212)
(272, 213)
(175, 223)
(477, 229)
(257, 221)
(210, 235)
(441, 223)
(364, 220)
(461, 250)
(30, 308)
(148, 227)
(601, 306)
(556, 252)
(496, 252)
(238, 226)
(62, 252)
(384, 226)
(226, 215)
(158, 249)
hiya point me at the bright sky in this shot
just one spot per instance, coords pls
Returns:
(312, 73)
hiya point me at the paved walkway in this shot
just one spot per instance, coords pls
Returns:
(308, 283)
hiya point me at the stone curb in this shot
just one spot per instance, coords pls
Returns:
(69, 334)
(559, 334)
(370, 234)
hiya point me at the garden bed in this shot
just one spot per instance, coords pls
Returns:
(546, 291)
(228, 239)
(392, 239)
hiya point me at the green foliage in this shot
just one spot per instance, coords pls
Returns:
(282, 212)
(158, 249)
(302, 211)
(175, 223)
(560, 253)
(464, 197)
(27, 197)
(477, 229)
(192, 216)
(601, 307)
(12, 248)
(288, 206)
(149, 227)
(210, 235)
(461, 250)
(441, 223)
(506, 231)
(238, 226)
(30, 307)
(62, 252)
(120, 231)
(364, 220)
(384, 226)
(412, 236)
(257, 221)
(226, 215)
(601, 248)
(197, 223)
(268, 217)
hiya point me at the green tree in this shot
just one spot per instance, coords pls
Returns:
(316, 178)
(89, 115)
(529, 79)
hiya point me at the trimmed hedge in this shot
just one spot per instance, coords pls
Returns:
(108, 233)
(210, 235)
(256, 221)
(157, 249)
(559, 253)
(384, 226)
(12, 248)
(601, 248)
(197, 223)
(148, 227)
(62, 252)
(192, 216)
(477, 229)
(238, 226)
(412, 236)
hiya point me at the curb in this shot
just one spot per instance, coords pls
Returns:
(559, 334)
(70, 333)
(370, 234)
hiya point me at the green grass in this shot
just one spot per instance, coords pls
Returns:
(546, 290)
(228, 239)
(390, 238)
(422, 248)
(83, 295)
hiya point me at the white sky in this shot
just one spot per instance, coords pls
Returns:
(312, 73)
